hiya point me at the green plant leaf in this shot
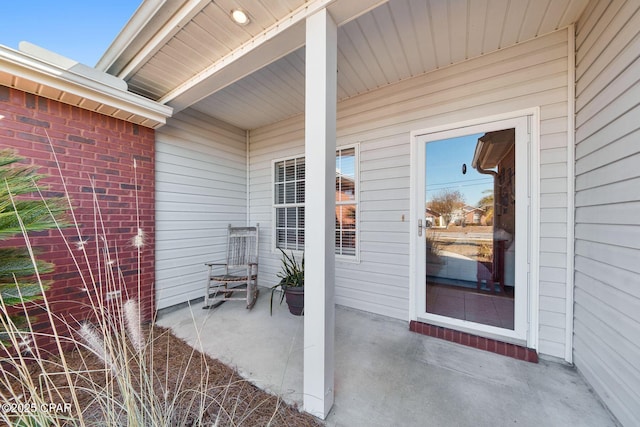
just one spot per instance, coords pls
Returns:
(291, 275)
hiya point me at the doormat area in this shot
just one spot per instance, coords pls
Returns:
(481, 343)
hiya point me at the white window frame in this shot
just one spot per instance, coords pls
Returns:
(285, 205)
(356, 201)
(339, 257)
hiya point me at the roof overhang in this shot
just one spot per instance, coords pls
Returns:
(492, 147)
(275, 42)
(189, 53)
(157, 21)
(40, 72)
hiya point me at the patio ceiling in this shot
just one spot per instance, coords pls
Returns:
(253, 75)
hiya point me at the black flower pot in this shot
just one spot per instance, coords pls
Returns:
(295, 300)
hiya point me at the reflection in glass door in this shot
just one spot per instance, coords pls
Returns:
(470, 215)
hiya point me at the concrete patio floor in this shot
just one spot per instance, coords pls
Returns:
(386, 375)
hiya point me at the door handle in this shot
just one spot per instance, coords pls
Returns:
(420, 227)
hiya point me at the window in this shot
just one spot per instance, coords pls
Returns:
(289, 195)
(289, 202)
(346, 202)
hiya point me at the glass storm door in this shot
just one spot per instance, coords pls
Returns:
(472, 228)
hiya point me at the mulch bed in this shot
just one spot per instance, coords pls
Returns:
(204, 389)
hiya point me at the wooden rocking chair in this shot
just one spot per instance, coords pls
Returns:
(239, 274)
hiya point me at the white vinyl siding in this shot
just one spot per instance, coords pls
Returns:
(527, 75)
(200, 189)
(607, 278)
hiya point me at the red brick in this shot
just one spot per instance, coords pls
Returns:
(482, 343)
(4, 94)
(487, 344)
(532, 356)
(71, 131)
(413, 326)
(501, 348)
(473, 341)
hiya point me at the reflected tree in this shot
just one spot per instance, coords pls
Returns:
(446, 202)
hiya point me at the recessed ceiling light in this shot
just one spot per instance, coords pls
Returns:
(239, 16)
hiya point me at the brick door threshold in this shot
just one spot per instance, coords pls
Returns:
(488, 344)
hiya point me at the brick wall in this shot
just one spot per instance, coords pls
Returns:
(89, 146)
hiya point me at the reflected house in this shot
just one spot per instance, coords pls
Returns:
(346, 202)
(468, 215)
(433, 218)
(474, 216)
(345, 217)
(345, 214)
(457, 216)
(495, 155)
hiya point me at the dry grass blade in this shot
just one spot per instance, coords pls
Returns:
(116, 369)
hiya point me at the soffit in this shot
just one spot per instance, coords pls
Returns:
(395, 41)
(207, 35)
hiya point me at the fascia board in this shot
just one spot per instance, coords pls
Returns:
(139, 29)
(161, 36)
(27, 67)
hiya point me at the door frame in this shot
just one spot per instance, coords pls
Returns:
(523, 334)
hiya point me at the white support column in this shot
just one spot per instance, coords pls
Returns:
(320, 165)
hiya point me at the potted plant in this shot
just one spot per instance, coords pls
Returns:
(291, 284)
